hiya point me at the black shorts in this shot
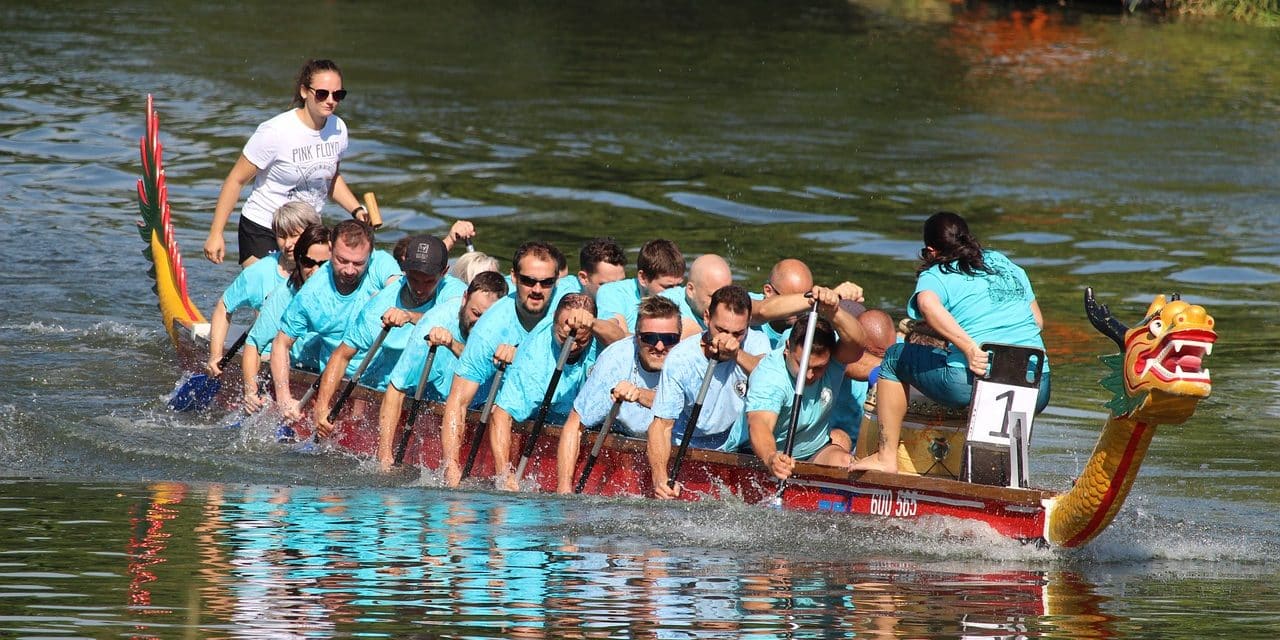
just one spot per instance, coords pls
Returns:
(255, 240)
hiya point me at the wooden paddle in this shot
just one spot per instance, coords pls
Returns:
(484, 419)
(599, 444)
(417, 402)
(776, 501)
(371, 205)
(692, 423)
(546, 406)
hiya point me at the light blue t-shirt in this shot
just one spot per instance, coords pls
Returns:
(989, 307)
(408, 368)
(264, 329)
(776, 338)
(619, 298)
(367, 324)
(677, 295)
(828, 403)
(525, 383)
(722, 410)
(616, 363)
(251, 287)
(319, 309)
(499, 325)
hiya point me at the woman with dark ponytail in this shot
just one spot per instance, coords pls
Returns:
(969, 296)
(293, 156)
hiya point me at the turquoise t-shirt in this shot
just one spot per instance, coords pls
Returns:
(828, 403)
(525, 383)
(408, 368)
(364, 328)
(989, 307)
(319, 309)
(617, 362)
(677, 295)
(498, 325)
(722, 409)
(251, 287)
(619, 298)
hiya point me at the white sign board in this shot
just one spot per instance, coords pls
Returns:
(992, 405)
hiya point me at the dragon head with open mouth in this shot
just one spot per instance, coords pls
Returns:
(1159, 376)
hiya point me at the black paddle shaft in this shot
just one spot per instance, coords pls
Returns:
(351, 384)
(235, 346)
(692, 423)
(599, 444)
(546, 405)
(484, 419)
(417, 404)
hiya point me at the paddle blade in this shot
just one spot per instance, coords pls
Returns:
(193, 392)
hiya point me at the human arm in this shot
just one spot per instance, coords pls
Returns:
(250, 363)
(567, 453)
(610, 330)
(500, 447)
(219, 322)
(760, 425)
(280, 347)
(452, 425)
(333, 371)
(461, 230)
(440, 336)
(627, 391)
(942, 322)
(659, 454)
(388, 418)
(850, 332)
(1035, 313)
(242, 173)
(342, 195)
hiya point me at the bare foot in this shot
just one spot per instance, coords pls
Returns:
(874, 463)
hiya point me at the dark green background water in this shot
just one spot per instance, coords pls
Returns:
(1126, 153)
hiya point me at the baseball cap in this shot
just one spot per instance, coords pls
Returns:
(426, 254)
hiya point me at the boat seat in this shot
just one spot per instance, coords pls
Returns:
(956, 442)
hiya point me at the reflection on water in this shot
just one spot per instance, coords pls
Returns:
(308, 562)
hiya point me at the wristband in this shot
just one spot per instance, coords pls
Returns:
(359, 207)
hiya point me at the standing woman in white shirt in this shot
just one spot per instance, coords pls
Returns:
(293, 156)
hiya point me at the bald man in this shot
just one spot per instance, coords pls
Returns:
(707, 274)
(789, 276)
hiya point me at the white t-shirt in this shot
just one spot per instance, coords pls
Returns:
(294, 161)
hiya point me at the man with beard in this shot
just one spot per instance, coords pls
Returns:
(525, 385)
(323, 305)
(625, 371)
(401, 303)
(445, 328)
(494, 338)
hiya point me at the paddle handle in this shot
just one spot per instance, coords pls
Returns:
(371, 205)
(235, 347)
(484, 419)
(599, 444)
(546, 406)
(351, 384)
(799, 397)
(692, 423)
(417, 403)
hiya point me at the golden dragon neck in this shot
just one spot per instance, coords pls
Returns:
(1077, 516)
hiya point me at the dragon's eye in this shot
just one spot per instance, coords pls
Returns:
(1156, 326)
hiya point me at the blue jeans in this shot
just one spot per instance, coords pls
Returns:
(925, 368)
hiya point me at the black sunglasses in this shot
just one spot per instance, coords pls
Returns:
(531, 282)
(308, 263)
(323, 94)
(652, 338)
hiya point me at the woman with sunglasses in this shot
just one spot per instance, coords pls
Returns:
(970, 296)
(310, 252)
(293, 156)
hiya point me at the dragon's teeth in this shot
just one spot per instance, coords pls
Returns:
(1208, 348)
(1179, 345)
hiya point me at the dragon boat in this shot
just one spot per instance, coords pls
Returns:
(1157, 378)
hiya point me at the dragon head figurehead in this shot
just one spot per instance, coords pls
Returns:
(1159, 375)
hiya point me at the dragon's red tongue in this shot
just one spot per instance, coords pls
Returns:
(1187, 363)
